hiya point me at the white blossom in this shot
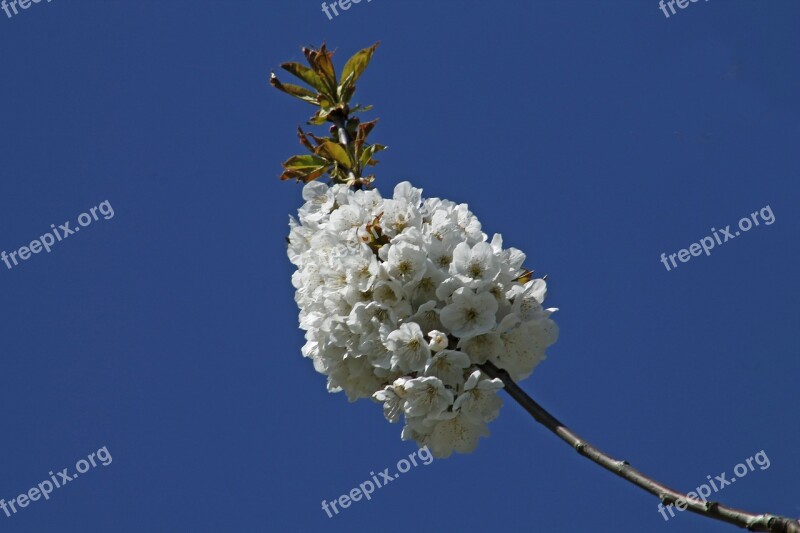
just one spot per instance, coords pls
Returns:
(426, 396)
(392, 397)
(319, 202)
(410, 351)
(361, 268)
(476, 267)
(469, 314)
(479, 399)
(484, 347)
(384, 286)
(438, 340)
(427, 316)
(448, 365)
(455, 431)
(406, 262)
(399, 215)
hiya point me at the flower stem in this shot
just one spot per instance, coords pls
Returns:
(341, 128)
(344, 139)
(714, 510)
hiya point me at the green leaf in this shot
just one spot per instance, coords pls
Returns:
(346, 89)
(326, 108)
(358, 63)
(308, 76)
(316, 173)
(320, 61)
(366, 155)
(290, 174)
(304, 139)
(364, 130)
(336, 152)
(326, 102)
(295, 90)
(321, 116)
(359, 109)
(318, 140)
(304, 175)
(306, 161)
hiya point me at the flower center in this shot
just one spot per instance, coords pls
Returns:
(475, 270)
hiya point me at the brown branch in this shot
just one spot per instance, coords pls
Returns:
(714, 510)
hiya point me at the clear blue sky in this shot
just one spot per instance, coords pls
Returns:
(593, 135)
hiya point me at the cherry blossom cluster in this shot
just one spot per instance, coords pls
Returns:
(401, 298)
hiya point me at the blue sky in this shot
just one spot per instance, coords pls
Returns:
(594, 135)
